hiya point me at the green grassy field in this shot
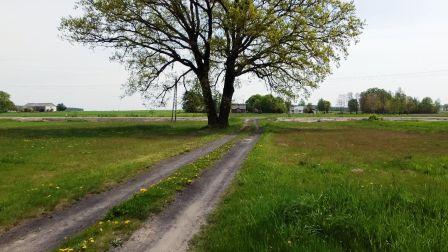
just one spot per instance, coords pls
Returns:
(45, 166)
(167, 113)
(355, 186)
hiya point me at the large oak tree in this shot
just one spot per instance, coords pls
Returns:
(291, 45)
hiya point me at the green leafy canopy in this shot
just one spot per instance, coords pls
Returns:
(290, 45)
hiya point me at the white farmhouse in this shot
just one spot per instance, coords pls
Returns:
(41, 107)
(296, 109)
(239, 108)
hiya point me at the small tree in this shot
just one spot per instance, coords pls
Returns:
(5, 102)
(61, 107)
(192, 101)
(253, 104)
(437, 106)
(323, 106)
(353, 106)
(308, 109)
(426, 106)
(327, 106)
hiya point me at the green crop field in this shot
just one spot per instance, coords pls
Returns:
(136, 113)
(352, 186)
(45, 166)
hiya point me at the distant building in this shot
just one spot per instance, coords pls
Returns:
(296, 109)
(444, 108)
(40, 107)
(239, 108)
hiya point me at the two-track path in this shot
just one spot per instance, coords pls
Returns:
(46, 233)
(175, 227)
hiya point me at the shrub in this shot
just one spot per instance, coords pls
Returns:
(375, 118)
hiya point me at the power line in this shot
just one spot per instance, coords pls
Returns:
(409, 74)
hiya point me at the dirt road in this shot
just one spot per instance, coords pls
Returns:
(46, 233)
(102, 119)
(346, 119)
(174, 228)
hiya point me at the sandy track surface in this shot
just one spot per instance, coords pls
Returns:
(102, 119)
(346, 119)
(176, 226)
(46, 233)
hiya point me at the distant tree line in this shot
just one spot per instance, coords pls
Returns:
(380, 101)
(373, 101)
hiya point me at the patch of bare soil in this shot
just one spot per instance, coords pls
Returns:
(358, 171)
(46, 233)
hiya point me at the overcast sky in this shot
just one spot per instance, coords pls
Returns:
(404, 45)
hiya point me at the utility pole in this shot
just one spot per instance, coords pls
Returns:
(174, 111)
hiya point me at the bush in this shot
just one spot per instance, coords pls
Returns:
(5, 102)
(193, 102)
(375, 118)
(61, 107)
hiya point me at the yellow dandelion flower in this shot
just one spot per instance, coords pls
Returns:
(127, 222)
(143, 190)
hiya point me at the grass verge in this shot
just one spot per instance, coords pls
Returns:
(357, 186)
(121, 221)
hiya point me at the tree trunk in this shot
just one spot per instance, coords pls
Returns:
(227, 95)
(208, 101)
